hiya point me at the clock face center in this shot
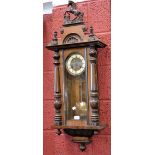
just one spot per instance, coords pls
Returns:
(75, 64)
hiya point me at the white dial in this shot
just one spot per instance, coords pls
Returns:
(75, 64)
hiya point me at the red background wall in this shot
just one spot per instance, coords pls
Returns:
(97, 14)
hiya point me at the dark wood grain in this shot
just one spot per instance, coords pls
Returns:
(96, 43)
(68, 88)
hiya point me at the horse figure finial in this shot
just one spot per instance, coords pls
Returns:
(72, 9)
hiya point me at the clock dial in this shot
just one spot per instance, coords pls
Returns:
(75, 64)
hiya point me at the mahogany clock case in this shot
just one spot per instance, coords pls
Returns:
(76, 93)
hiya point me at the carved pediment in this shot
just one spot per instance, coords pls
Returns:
(72, 38)
(72, 10)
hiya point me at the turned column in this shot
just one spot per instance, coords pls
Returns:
(57, 91)
(93, 87)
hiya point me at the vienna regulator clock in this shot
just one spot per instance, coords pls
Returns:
(75, 78)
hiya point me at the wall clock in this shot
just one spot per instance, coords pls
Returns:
(76, 93)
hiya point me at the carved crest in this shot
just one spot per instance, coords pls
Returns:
(72, 9)
(72, 38)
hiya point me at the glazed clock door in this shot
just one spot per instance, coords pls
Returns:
(76, 88)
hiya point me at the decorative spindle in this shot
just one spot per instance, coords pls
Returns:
(62, 30)
(55, 39)
(84, 28)
(91, 34)
(82, 147)
(57, 91)
(93, 87)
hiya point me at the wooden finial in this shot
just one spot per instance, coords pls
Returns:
(55, 39)
(91, 34)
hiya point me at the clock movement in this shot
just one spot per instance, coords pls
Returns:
(76, 93)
